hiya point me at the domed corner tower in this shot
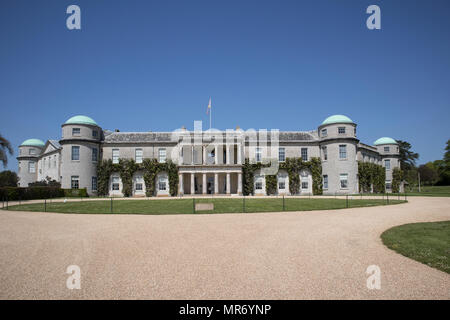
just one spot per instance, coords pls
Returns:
(81, 150)
(29, 152)
(390, 154)
(338, 148)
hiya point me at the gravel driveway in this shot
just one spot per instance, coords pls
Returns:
(290, 255)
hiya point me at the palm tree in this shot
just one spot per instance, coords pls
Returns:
(5, 147)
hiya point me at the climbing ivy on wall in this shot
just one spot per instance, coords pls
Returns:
(271, 184)
(371, 174)
(293, 166)
(128, 167)
(397, 177)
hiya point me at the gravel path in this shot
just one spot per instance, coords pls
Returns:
(291, 255)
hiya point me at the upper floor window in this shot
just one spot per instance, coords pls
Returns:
(75, 153)
(325, 153)
(94, 154)
(386, 149)
(162, 155)
(115, 155)
(325, 181)
(32, 167)
(138, 155)
(32, 152)
(304, 154)
(54, 161)
(324, 132)
(342, 151)
(94, 133)
(344, 180)
(76, 131)
(341, 130)
(387, 164)
(281, 154)
(258, 154)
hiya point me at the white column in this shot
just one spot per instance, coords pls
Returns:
(180, 184)
(204, 183)
(204, 154)
(216, 155)
(239, 161)
(228, 183)
(192, 183)
(228, 154)
(192, 153)
(239, 186)
(216, 183)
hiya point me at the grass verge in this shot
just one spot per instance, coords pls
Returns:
(427, 242)
(186, 206)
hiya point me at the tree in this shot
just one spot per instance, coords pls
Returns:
(447, 152)
(48, 182)
(443, 166)
(407, 157)
(8, 179)
(428, 173)
(5, 147)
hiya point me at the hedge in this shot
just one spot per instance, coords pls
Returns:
(31, 193)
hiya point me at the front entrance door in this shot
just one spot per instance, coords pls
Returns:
(210, 185)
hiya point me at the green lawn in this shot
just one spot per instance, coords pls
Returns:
(429, 191)
(183, 206)
(428, 242)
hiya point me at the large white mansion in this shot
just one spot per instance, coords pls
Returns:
(209, 162)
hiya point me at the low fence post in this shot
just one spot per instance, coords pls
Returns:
(346, 200)
(284, 207)
(243, 205)
(111, 205)
(45, 205)
(387, 198)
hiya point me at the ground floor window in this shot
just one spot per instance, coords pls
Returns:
(388, 185)
(281, 185)
(304, 184)
(138, 186)
(258, 184)
(75, 182)
(94, 183)
(115, 183)
(325, 181)
(162, 184)
(344, 180)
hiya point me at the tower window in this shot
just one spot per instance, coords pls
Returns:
(94, 154)
(324, 132)
(32, 167)
(387, 164)
(344, 180)
(76, 131)
(75, 182)
(342, 151)
(341, 130)
(325, 153)
(75, 153)
(386, 149)
(94, 133)
(325, 181)
(94, 183)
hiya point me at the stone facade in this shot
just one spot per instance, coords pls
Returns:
(209, 162)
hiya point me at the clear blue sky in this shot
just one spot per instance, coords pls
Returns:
(152, 65)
